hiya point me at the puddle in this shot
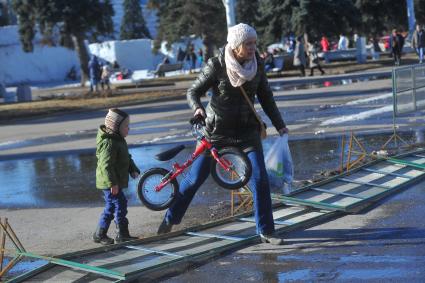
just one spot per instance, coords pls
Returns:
(22, 266)
(325, 82)
(69, 180)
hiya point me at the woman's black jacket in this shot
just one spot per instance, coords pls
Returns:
(230, 120)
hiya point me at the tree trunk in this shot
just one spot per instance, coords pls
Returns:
(83, 56)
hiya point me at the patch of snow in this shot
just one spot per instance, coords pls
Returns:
(370, 99)
(358, 116)
(44, 64)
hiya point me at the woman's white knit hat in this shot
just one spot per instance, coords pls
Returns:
(239, 33)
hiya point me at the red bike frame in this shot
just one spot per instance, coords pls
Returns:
(177, 169)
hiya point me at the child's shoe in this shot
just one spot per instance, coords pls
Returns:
(123, 235)
(100, 237)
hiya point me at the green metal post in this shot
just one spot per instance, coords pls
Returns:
(77, 265)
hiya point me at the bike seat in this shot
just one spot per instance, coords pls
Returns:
(168, 154)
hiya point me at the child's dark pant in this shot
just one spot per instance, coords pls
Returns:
(115, 207)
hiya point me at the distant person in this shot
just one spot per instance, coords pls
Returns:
(418, 42)
(355, 38)
(375, 49)
(94, 70)
(158, 71)
(126, 73)
(104, 77)
(180, 55)
(114, 164)
(72, 74)
(191, 57)
(166, 60)
(343, 42)
(115, 65)
(325, 44)
(299, 55)
(201, 57)
(313, 57)
(387, 43)
(291, 44)
(396, 44)
(268, 61)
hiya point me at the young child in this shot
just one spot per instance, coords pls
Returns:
(114, 164)
(104, 77)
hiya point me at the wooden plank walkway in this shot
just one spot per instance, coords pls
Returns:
(314, 204)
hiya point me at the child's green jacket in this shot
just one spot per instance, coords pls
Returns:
(114, 163)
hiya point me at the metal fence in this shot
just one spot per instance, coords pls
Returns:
(409, 88)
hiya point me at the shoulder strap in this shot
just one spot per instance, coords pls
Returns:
(251, 106)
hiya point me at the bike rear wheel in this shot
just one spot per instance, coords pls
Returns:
(152, 199)
(240, 168)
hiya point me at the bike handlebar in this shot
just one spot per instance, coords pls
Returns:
(197, 120)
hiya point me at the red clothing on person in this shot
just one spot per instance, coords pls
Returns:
(325, 44)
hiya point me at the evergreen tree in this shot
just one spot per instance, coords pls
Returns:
(4, 14)
(66, 22)
(312, 17)
(273, 21)
(323, 17)
(180, 18)
(247, 12)
(383, 15)
(133, 25)
(420, 11)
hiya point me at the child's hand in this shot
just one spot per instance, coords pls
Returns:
(115, 190)
(134, 175)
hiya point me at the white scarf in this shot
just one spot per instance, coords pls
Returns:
(239, 74)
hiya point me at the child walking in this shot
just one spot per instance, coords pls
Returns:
(114, 164)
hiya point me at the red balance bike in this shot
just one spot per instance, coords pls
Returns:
(230, 168)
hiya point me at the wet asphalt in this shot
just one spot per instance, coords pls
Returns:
(383, 244)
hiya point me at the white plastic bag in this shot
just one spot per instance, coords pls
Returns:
(279, 165)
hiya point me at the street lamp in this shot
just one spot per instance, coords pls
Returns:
(230, 12)
(411, 16)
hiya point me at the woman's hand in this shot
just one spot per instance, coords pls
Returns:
(200, 111)
(283, 131)
(115, 190)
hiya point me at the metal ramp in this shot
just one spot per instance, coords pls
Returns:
(351, 191)
(142, 258)
(157, 256)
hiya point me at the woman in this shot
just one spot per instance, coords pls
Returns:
(325, 44)
(299, 55)
(231, 122)
(313, 58)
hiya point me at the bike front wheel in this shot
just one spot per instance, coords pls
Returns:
(240, 168)
(149, 196)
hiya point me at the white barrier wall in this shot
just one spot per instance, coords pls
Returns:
(51, 64)
(42, 65)
(131, 54)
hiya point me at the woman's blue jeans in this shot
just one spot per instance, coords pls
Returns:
(258, 184)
